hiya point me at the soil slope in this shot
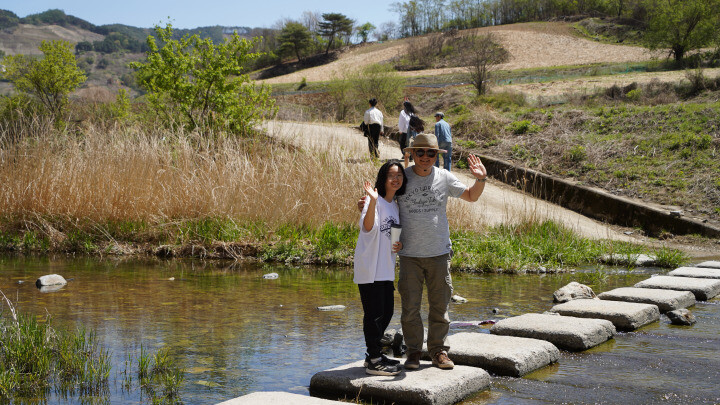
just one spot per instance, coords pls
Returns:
(25, 39)
(530, 45)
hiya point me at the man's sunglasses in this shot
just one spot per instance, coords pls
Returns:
(431, 153)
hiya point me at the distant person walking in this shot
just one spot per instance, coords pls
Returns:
(374, 265)
(415, 127)
(404, 124)
(442, 132)
(373, 118)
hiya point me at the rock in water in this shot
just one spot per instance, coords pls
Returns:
(681, 317)
(50, 279)
(458, 299)
(332, 308)
(271, 276)
(573, 291)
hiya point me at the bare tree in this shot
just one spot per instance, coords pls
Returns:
(483, 56)
(386, 31)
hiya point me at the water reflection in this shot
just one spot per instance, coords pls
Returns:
(235, 332)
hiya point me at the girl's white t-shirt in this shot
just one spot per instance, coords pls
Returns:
(374, 259)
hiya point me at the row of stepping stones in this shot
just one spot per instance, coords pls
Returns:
(516, 345)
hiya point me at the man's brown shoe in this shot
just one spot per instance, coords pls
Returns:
(413, 361)
(441, 360)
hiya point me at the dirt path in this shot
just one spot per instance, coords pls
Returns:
(498, 204)
(530, 45)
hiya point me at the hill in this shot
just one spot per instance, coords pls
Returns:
(24, 35)
(531, 45)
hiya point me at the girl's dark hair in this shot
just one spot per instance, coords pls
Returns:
(417, 124)
(409, 109)
(383, 175)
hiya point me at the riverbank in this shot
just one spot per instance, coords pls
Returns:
(529, 247)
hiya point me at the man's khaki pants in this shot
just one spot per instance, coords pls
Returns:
(435, 272)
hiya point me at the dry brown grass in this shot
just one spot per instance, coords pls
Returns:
(160, 177)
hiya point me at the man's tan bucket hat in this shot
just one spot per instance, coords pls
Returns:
(425, 141)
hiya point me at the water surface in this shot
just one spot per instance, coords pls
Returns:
(235, 332)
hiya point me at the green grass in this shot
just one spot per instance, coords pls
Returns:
(37, 358)
(525, 247)
(534, 247)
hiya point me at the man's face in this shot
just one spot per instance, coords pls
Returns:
(438, 118)
(424, 162)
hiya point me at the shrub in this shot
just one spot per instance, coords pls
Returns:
(523, 127)
(193, 83)
(51, 79)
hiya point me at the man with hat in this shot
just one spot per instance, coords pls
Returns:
(442, 132)
(426, 253)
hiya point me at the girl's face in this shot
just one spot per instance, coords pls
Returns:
(394, 179)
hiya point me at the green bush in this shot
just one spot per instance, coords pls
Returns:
(523, 127)
(195, 84)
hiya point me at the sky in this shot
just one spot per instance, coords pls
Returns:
(201, 13)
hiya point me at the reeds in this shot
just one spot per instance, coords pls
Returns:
(84, 181)
(35, 358)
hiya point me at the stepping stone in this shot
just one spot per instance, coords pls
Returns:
(666, 300)
(626, 316)
(278, 398)
(703, 288)
(501, 355)
(565, 332)
(426, 385)
(712, 264)
(697, 272)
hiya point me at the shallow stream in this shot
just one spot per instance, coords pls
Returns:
(235, 332)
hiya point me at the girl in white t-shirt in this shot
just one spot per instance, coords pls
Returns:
(374, 266)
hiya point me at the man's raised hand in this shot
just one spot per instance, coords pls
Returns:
(476, 167)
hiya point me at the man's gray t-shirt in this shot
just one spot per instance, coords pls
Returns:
(423, 212)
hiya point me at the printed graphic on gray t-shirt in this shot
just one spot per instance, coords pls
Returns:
(423, 212)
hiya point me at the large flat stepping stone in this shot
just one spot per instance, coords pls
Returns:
(278, 398)
(666, 300)
(501, 355)
(711, 263)
(626, 316)
(697, 272)
(565, 332)
(426, 385)
(703, 288)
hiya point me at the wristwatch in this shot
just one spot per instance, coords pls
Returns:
(483, 180)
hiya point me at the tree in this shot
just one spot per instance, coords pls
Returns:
(50, 79)
(83, 46)
(386, 31)
(332, 25)
(294, 38)
(365, 30)
(682, 25)
(205, 83)
(483, 54)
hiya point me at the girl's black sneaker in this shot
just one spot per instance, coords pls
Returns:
(381, 368)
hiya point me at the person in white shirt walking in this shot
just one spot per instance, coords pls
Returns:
(373, 118)
(403, 124)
